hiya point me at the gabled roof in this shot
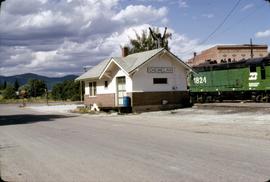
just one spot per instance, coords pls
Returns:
(94, 72)
(133, 61)
(128, 63)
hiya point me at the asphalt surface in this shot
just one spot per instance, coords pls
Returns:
(60, 147)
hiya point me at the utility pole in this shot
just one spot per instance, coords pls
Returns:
(46, 95)
(81, 90)
(251, 49)
(1, 3)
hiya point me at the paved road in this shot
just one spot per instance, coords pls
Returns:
(52, 147)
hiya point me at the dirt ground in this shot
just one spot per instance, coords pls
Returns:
(234, 119)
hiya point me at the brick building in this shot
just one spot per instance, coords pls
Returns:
(151, 79)
(228, 53)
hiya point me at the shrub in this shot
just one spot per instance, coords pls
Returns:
(9, 92)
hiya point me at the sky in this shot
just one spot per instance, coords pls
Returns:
(59, 37)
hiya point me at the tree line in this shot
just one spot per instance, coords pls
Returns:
(67, 90)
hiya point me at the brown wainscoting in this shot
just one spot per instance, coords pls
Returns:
(102, 100)
(156, 98)
(147, 108)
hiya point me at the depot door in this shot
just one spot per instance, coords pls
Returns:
(121, 89)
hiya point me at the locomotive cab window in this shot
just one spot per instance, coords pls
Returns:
(252, 68)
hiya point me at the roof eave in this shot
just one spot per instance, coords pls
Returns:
(107, 66)
(180, 61)
(83, 79)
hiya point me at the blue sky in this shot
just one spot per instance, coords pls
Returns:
(59, 37)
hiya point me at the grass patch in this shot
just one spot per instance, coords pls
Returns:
(37, 100)
(84, 110)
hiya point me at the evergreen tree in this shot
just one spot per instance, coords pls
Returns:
(5, 85)
(36, 87)
(16, 85)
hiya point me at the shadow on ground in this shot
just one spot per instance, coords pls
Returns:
(28, 118)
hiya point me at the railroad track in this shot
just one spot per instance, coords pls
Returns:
(233, 105)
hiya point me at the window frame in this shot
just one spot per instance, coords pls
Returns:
(92, 89)
(160, 81)
(105, 84)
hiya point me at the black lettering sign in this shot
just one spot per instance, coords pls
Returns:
(160, 69)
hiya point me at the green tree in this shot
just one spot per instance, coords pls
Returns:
(36, 87)
(145, 41)
(72, 90)
(67, 90)
(16, 85)
(57, 91)
(9, 92)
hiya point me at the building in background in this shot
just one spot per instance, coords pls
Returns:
(228, 53)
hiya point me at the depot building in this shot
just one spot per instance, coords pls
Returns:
(150, 80)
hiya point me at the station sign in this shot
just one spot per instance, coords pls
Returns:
(160, 70)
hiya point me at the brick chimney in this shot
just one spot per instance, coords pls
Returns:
(124, 51)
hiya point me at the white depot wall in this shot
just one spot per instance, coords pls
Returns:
(100, 86)
(143, 80)
(121, 73)
(111, 83)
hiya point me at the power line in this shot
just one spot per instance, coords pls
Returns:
(218, 27)
(222, 23)
(244, 18)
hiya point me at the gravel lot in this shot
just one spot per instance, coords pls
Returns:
(54, 108)
(190, 144)
(243, 119)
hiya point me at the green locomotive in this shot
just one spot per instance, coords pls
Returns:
(243, 80)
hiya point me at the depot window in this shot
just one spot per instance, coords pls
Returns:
(92, 88)
(160, 80)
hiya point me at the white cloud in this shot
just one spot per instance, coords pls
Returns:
(247, 7)
(139, 13)
(182, 3)
(60, 37)
(264, 34)
(183, 46)
(45, 19)
(208, 15)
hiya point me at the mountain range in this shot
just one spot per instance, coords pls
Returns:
(23, 79)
